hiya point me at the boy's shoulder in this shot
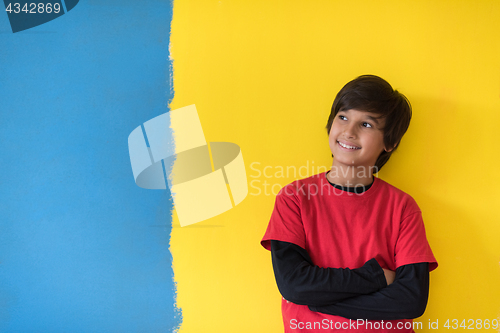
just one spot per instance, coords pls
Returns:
(304, 186)
(318, 179)
(391, 193)
(391, 188)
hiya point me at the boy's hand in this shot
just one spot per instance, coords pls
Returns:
(389, 275)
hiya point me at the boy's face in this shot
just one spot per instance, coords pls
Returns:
(356, 138)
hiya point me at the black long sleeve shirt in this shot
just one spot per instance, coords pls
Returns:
(360, 293)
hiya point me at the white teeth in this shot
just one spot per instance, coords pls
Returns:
(346, 146)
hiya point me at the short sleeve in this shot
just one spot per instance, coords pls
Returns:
(285, 223)
(412, 246)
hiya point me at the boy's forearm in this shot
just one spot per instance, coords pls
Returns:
(301, 282)
(406, 298)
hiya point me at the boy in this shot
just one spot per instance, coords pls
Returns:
(349, 251)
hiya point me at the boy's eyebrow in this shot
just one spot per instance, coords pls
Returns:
(375, 120)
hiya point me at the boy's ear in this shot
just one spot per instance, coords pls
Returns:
(390, 149)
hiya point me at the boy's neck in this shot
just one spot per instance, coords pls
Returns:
(350, 176)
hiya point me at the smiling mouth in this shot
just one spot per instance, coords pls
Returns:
(347, 146)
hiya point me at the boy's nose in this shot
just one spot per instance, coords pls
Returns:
(349, 132)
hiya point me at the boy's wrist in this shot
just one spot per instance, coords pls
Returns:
(376, 272)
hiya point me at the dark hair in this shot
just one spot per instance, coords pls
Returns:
(373, 94)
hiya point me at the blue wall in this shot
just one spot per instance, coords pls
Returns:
(82, 248)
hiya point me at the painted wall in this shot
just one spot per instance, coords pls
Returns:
(263, 74)
(82, 248)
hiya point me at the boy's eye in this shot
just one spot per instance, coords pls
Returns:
(342, 117)
(367, 125)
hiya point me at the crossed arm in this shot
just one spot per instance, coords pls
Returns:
(368, 292)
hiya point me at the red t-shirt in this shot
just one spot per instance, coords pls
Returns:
(342, 229)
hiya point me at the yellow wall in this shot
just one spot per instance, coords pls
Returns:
(263, 74)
